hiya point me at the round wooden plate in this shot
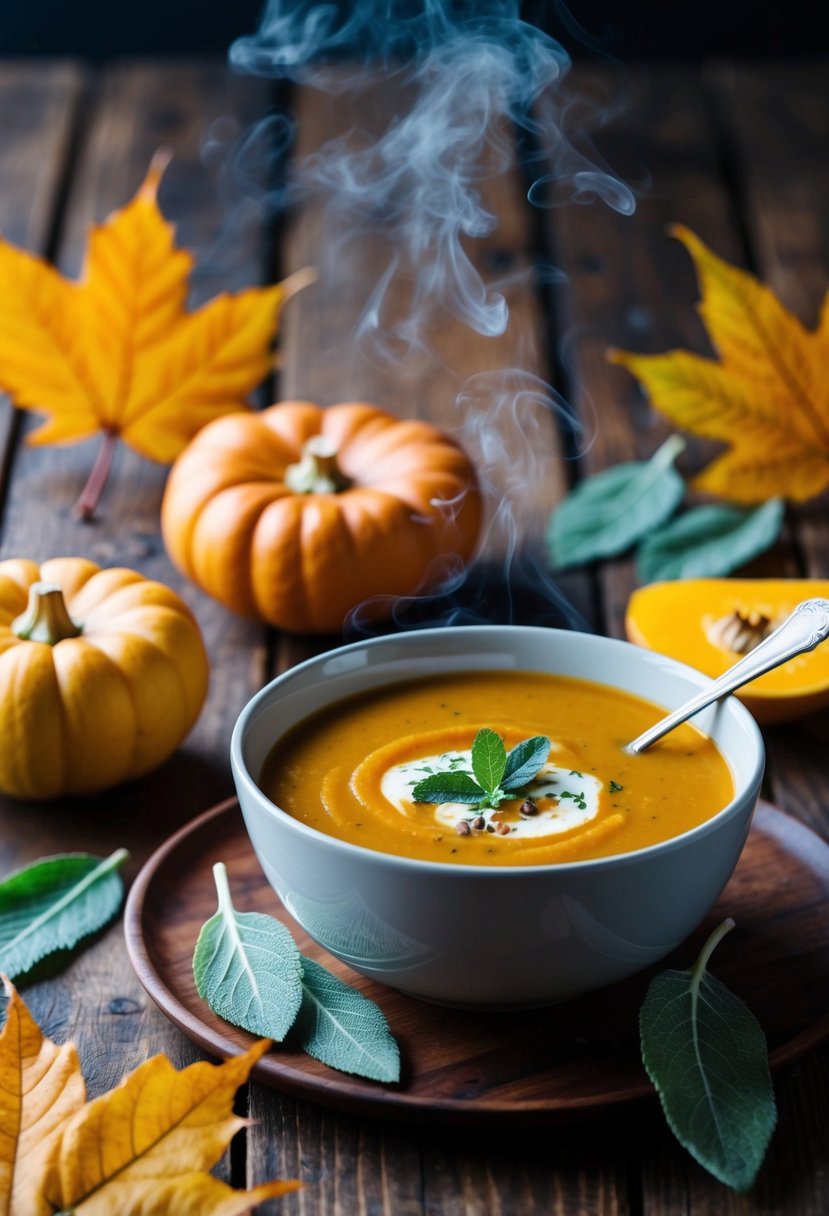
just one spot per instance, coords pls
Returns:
(569, 1060)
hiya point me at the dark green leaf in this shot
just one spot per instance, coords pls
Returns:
(709, 542)
(448, 787)
(524, 762)
(707, 1057)
(343, 1028)
(247, 967)
(54, 903)
(489, 758)
(611, 511)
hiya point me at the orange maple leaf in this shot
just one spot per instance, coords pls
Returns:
(767, 397)
(117, 352)
(145, 1146)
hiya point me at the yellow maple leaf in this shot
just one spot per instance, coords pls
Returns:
(117, 352)
(144, 1147)
(41, 1086)
(767, 397)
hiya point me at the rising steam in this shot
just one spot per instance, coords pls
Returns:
(477, 75)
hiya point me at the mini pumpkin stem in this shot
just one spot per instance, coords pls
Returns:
(46, 618)
(317, 471)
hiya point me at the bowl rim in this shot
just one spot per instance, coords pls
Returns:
(243, 777)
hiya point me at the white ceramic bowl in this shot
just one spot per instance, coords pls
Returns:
(475, 936)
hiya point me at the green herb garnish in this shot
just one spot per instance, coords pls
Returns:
(248, 968)
(707, 1056)
(496, 773)
(614, 787)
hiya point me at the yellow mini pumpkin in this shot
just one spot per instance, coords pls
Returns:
(102, 674)
(710, 623)
(298, 514)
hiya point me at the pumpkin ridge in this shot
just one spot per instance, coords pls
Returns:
(283, 516)
(23, 657)
(122, 675)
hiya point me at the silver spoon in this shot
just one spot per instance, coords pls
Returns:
(804, 629)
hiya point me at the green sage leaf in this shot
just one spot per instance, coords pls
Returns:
(489, 759)
(611, 511)
(709, 542)
(524, 762)
(343, 1028)
(706, 1055)
(53, 904)
(448, 787)
(248, 968)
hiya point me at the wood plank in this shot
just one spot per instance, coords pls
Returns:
(136, 108)
(41, 105)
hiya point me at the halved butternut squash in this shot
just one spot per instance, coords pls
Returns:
(710, 623)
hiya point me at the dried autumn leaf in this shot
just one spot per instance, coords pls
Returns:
(41, 1086)
(117, 353)
(145, 1146)
(767, 397)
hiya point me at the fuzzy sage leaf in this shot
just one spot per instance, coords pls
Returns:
(707, 1057)
(343, 1028)
(249, 970)
(709, 542)
(489, 759)
(247, 967)
(612, 510)
(53, 904)
(524, 762)
(448, 787)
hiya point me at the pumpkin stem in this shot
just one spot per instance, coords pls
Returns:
(46, 618)
(317, 471)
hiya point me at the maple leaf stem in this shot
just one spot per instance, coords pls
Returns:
(91, 493)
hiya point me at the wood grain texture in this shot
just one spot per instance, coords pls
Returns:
(41, 106)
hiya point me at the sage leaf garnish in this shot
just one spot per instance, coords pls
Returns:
(500, 774)
(448, 787)
(247, 967)
(524, 762)
(489, 759)
(53, 904)
(709, 542)
(344, 1029)
(707, 1056)
(612, 510)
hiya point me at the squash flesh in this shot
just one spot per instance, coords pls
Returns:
(676, 619)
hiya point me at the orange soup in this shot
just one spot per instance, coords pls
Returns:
(352, 771)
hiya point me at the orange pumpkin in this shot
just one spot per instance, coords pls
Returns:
(102, 674)
(297, 514)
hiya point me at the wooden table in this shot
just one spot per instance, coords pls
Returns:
(736, 152)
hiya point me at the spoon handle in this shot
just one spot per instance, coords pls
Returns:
(803, 630)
